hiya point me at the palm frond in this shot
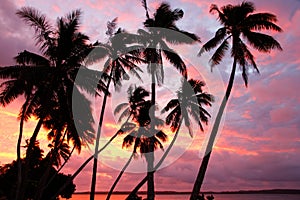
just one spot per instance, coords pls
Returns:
(221, 16)
(38, 21)
(261, 21)
(174, 59)
(162, 136)
(72, 20)
(212, 43)
(262, 42)
(29, 58)
(144, 3)
(179, 36)
(124, 114)
(128, 141)
(120, 107)
(171, 104)
(219, 53)
(12, 90)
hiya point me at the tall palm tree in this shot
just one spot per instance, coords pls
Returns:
(155, 40)
(121, 56)
(49, 78)
(189, 104)
(239, 24)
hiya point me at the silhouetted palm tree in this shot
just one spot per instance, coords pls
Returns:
(238, 21)
(142, 138)
(121, 57)
(189, 104)
(49, 78)
(132, 109)
(155, 42)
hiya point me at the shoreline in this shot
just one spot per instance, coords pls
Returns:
(271, 191)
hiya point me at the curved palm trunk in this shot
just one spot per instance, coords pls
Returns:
(82, 167)
(209, 147)
(162, 159)
(43, 181)
(19, 182)
(61, 167)
(28, 158)
(95, 164)
(119, 177)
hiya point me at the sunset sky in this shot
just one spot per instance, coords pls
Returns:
(259, 143)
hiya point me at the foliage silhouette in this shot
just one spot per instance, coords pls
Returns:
(8, 178)
(189, 104)
(137, 110)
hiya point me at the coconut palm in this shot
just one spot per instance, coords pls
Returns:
(131, 109)
(155, 41)
(121, 56)
(189, 104)
(240, 25)
(49, 78)
(141, 137)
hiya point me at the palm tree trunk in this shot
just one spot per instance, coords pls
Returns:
(150, 154)
(143, 181)
(119, 177)
(209, 147)
(82, 167)
(43, 180)
(28, 158)
(95, 164)
(60, 168)
(19, 182)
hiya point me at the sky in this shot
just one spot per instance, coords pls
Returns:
(258, 145)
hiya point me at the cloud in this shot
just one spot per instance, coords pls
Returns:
(15, 36)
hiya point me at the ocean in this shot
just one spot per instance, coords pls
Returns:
(186, 197)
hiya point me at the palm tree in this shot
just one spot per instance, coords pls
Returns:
(136, 101)
(238, 22)
(188, 104)
(120, 57)
(155, 42)
(142, 137)
(49, 78)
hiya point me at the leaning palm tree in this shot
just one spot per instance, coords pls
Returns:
(189, 104)
(239, 22)
(49, 78)
(121, 56)
(155, 41)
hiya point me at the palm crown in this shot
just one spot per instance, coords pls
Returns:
(237, 21)
(189, 103)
